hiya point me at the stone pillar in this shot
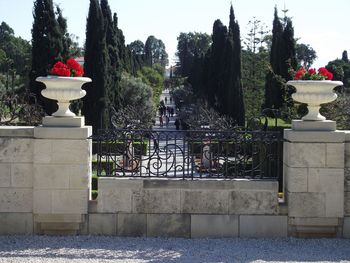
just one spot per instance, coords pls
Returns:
(62, 176)
(314, 180)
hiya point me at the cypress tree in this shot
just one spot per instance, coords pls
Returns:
(282, 59)
(47, 48)
(66, 41)
(95, 67)
(233, 95)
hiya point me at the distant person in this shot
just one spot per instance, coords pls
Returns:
(161, 121)
(167, 120)
(166, 100)
(177, 124)
(172, 112)
(156, 145)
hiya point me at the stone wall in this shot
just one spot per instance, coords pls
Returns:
(16, 180)
(178, 208)
(45, 177)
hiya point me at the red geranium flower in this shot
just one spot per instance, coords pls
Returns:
(71, 69)
(312, 74)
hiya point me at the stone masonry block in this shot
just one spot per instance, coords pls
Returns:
(169, 225)
(314, 221)
(335, 204)
(307, 204)
(51, 176)
(296, 179)
(22, 175)
(16, 200)
(307, 155)
(42, 151)
(16, 150)
(156, 201)
(71, 151)
(214, 226)
(263, 226)
(16, 223)
(102, 224)
(204, 202)
(114, 201)
(132, 225)
(70, 201)
(253, 202)
(335, 155)
(5, 175)
(326, 180)
(42, 201)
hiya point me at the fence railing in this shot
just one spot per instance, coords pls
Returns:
(188, 154)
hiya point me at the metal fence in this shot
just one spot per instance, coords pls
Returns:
(188, 154)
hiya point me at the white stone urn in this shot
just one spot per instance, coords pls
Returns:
(63, 89)
(314, 93)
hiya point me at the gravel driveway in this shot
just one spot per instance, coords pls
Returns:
(114, 249)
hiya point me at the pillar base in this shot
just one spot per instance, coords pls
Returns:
(326, 125)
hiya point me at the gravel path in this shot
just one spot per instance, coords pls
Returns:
(113, 249)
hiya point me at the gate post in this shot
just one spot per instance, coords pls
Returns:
(62, 176)
(314, 179)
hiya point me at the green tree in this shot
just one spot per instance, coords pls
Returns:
(305, 54)
(282, 59)
(95, 107)
(47, 48)
(155, 52)
(340, 69)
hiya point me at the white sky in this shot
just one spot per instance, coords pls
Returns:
(325, 25)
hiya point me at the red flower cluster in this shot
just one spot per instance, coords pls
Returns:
(312, 74)
(71, 69)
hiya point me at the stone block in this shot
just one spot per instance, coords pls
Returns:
(22, 175)
(156, 201)
(253, 202)
(326, 125)
(67, 133)
(16, 150)
(50, 176)
(54, 218)
(5, 175)
(17, 131)
(314, 221)
(79, 176)
(335, 204)
(16, 223)
(263, 226)
(114, 201)
(204, 202)
(102, 224)
(169, 225)
(42, 151)
(42, 201)
(119, 183)
(214, 226)
(347, 154)
(346, 227)
(51, 121)
(132, 225)
(326, 180)
(296, 179)
(314, 136)
(307, 204)
(306, 155)
(335, 155)
(16, 200)
(70, 201)
(71, 151)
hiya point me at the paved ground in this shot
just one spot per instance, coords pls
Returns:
(113, 249)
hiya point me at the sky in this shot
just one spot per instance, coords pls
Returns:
(323, 24)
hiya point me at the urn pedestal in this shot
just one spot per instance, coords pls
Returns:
(63, 90)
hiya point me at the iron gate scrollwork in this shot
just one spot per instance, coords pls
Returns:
(238, 153)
